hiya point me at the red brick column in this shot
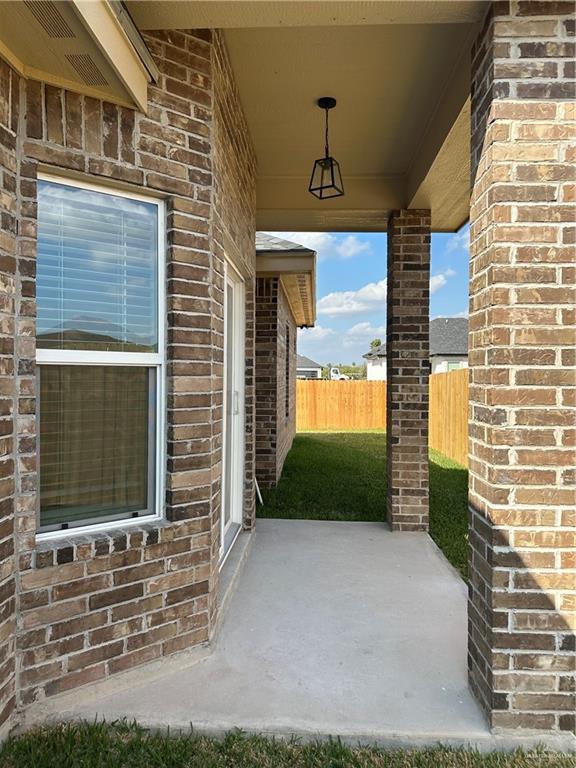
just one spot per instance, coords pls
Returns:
(408, 366)
(522, 375)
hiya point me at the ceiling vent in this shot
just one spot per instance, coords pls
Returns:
(86, 68)
(49, 17)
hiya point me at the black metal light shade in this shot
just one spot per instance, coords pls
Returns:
(326, 179)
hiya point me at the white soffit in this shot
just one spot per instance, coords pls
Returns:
(182, 14)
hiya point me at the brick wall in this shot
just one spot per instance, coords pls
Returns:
(266, 378)
(408, 368)
(274, 429)
(96, 605)
(9, 117)
(522, 368)
(234, 230)
(286, 377)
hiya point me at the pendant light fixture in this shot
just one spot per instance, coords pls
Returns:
(326, 180)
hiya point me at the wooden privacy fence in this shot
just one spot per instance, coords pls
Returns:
(345, 405)
(340, 405)
(448, 421)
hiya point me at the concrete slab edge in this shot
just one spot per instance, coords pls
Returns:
(501, 741)
(447, 564)
(48, 710)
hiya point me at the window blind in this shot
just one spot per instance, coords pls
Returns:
(96, 442)
(97, 271)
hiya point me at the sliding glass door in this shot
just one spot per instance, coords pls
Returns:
(233, 437)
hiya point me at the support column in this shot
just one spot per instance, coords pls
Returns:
(408, 367)
(522, 368)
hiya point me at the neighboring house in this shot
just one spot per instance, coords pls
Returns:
(448, 349)
(147, 353)
(307, 369)
(285, 301)
(448, 344)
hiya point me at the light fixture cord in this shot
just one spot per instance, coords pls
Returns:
(326, 148)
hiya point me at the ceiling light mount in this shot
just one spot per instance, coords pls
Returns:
(326, 102)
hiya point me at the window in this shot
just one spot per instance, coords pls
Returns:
(100, 354)
(453, 367)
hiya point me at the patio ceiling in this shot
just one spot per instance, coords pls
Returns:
(400, 72)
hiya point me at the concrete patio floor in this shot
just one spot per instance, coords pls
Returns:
(334, 628)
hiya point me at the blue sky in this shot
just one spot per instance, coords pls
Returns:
(351, 290)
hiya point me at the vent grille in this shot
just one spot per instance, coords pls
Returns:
(86, 67)
(49, 17)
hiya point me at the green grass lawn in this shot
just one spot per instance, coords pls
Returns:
(127, 746)
(342, 476)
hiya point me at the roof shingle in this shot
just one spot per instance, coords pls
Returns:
(305, 362)
(267, 242)
(448, 336)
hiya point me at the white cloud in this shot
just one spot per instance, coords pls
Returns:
(369, 298)
(439, 280)
(363, 333)
(317, 333)
(328, 345)
(352, 246)
(460, 241)
(319, 344)
(327, 245)
(366, 299)
(361, 329)
(464, 313)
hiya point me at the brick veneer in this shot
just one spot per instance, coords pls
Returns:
(522, 368)
(275, 339)
(408, 368)
(96, 605)
(286, 376)
(9, 118)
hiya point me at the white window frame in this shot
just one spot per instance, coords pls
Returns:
(156, 360)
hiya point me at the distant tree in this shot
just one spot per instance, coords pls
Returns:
(375, 343)
(353, 365)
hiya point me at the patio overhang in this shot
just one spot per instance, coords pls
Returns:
(86, 46)
(400, 73)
